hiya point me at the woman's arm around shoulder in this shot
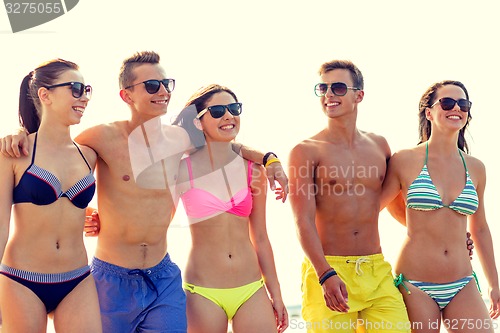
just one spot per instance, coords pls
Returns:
(6, 188)
(393, 181)
(96, 137)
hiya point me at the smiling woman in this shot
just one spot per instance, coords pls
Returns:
(44, 265)
(444, 189)
(230, 274)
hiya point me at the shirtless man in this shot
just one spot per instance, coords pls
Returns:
(336, 181)
(139, 286)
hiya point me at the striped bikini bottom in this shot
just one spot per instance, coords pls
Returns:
(441, 293)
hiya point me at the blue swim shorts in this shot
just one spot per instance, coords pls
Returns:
(140, 300)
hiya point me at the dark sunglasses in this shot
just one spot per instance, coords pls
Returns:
(217, 111)
(152, 86)
(337, 88)
(77, 88)
(448, 103)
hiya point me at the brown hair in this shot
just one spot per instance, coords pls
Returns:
(357, 77)
(199, 99)
(29, 103)
(429, 98)
(126, 76)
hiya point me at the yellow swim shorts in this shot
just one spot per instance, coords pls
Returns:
(376, 305)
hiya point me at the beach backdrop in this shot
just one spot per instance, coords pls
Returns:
(269, 52)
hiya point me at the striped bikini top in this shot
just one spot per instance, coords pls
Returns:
(423, 195)
(40, 187)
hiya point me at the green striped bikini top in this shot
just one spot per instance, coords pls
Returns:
(423, 195)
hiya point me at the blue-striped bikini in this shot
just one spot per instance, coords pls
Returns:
(40, 187)
(51, 289)
(441, 293)
(423, 195)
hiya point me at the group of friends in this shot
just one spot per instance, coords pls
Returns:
(144, 167)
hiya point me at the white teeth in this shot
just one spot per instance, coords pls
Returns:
(79, 109)
(333, 104)
(453, 117)
(225, 127)
(160, 102)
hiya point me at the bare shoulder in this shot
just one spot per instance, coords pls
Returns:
(177, 139)
(409, 156)
(375, 137)
(175, 132)
(97, 137)
(174, 129)
(379, 141)
(95, 134)
(89, 153)
(308, 148)
(475, 165)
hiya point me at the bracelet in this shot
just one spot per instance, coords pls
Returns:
(266, 156)
(321, 276)
(327, 276)
(271, 161)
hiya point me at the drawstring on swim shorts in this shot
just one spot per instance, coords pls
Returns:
(358, 263)
(149, 282)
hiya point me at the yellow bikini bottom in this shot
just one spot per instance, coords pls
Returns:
(229, 299)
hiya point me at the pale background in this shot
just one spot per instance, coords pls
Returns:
(269, 52)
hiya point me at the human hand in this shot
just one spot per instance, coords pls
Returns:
(13, 145)
(275, 172)
(92, 224)
(335, 294)
(470, 245)
(280, 194)
(494, 303)
(280, 314)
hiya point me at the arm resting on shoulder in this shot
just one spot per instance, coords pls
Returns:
(274, 171)
(13, 145)
(397, 209)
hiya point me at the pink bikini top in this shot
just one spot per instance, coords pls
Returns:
(199, 203)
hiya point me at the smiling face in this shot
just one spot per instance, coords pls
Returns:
(139, 99)
(335, 106)
(60, 102)
(454, 119)
(222, 129)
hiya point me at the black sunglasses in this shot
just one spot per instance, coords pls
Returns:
(77, 88)
(217, 111)
(338, 89)
(152, 86)
(448, 103)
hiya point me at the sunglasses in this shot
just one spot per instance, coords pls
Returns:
(448, 103)
(77, 89)
(337, 88)
(152, 86)
(217, 111)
